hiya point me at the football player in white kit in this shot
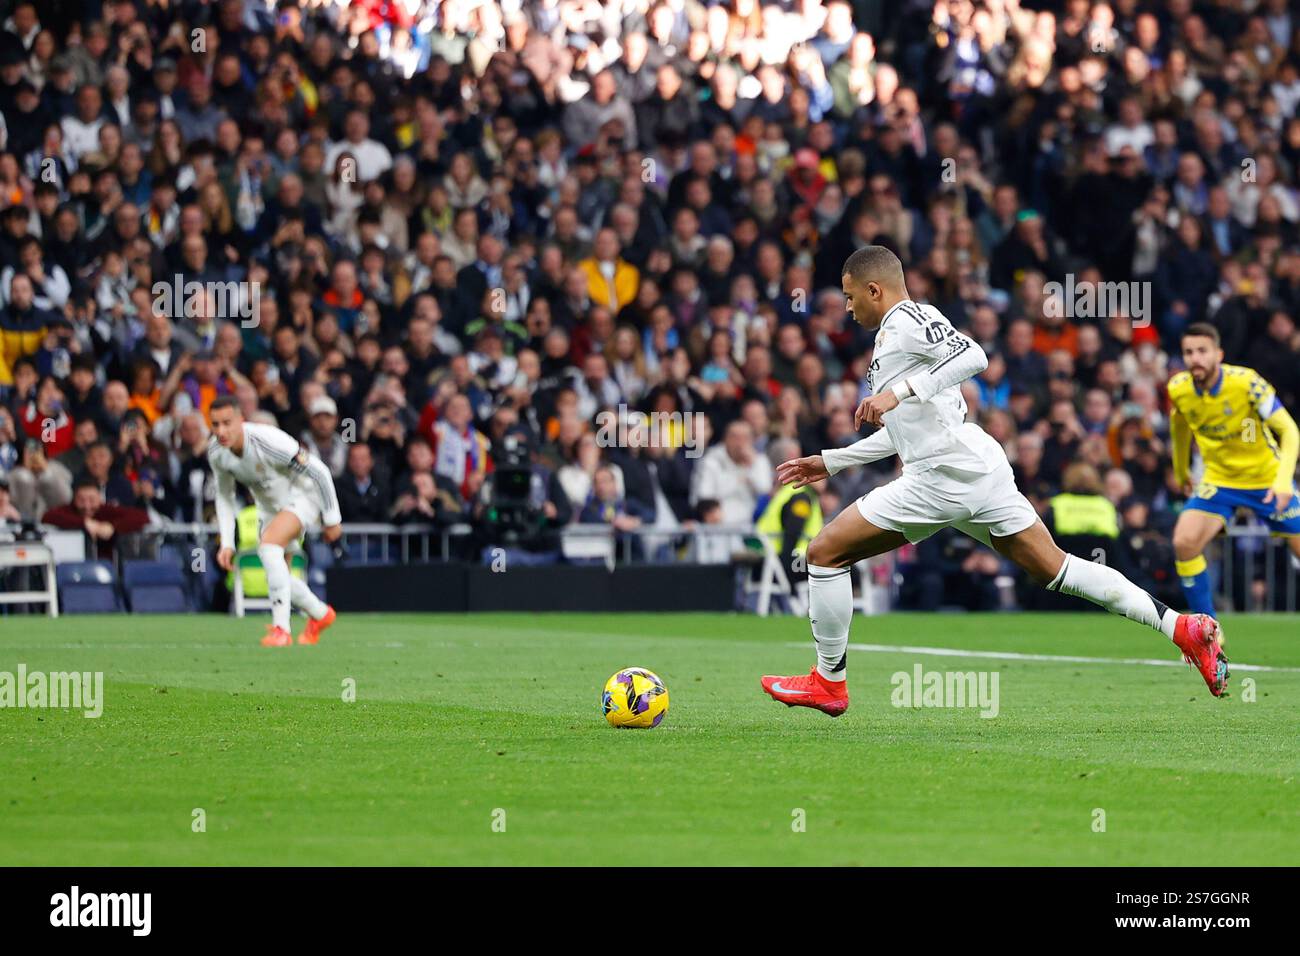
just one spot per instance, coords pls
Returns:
(954, 475)
(293, 491)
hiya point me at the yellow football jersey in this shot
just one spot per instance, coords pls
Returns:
(1227, 420)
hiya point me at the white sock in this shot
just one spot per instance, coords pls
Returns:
(830, 611)
(277, 582)
(301, 596)
(1116, 593)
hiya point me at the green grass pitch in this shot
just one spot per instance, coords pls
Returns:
(479, 740)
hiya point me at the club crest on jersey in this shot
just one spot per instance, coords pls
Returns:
(1227, 409)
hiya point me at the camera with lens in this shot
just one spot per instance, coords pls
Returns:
(513, 507)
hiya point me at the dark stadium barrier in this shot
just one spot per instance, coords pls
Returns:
(398, 587)
(1252, 571)
(463, 587)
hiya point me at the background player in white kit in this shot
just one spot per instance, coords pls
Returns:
(293, 491)
(954, 475)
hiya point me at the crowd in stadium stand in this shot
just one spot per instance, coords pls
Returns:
(431, 236)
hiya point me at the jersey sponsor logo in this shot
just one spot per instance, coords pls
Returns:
(937, 331)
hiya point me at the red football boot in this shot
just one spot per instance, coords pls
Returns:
(1197, 636)
(277, 637)
(809, 690)
(311, 633)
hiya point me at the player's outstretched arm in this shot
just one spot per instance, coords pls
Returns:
(1284, 429)
(226, 506)
(874, 447)
(1180, 434)
(806, 471)
(319, 473)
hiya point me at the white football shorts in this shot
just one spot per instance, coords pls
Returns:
(303, 506)
(918, 505)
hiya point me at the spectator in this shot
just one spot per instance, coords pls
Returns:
(363, 496)
(105, 524)
(22, 326)
(607, 505)
(322, 438)
(733, 474)
(611, 280)
(39, 483)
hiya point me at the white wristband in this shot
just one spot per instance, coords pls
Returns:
(902, 390)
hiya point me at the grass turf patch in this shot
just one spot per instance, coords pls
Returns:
(461, 722)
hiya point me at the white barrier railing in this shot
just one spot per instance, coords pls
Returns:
(1254, 571)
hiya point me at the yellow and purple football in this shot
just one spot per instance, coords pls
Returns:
(635, 697)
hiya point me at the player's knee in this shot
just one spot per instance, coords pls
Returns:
(823, 553)
(272, 555)
(1186, 546)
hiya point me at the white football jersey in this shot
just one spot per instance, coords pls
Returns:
(917, 344)
(276, 469)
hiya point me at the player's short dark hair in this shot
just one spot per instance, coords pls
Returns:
(874, 264)
(224, 401)
(1204, 329)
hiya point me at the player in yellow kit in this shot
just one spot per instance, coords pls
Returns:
(1249, 444)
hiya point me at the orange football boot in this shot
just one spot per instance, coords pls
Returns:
(809, 690)
(277, 637)
(1197, 636)
(311, 633)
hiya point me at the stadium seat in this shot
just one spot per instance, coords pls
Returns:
(197, 588)
(87, 587)
(175, 555)
(155, 587)
(158, 599)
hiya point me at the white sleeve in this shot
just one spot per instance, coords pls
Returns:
(319, 473)
(874, 447)
(226, 504)
(951, 356)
